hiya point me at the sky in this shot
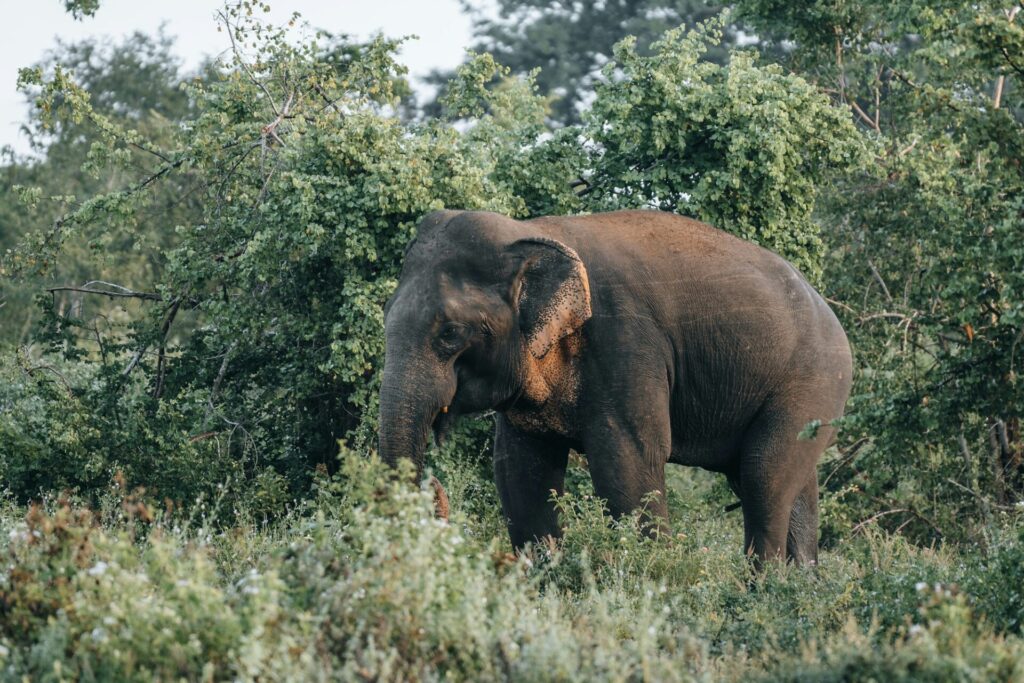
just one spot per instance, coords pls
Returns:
(32, 27)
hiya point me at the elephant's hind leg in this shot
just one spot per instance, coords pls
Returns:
(802, 539)
(779, 487)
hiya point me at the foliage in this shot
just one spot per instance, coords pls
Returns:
(237, 231)
(743, 147)
(135, 83)
(926, 251)
(570, 43)
(364, 583)
(82, 8)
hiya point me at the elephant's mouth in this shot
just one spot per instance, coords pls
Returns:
(442, 424)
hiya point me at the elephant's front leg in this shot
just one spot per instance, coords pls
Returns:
(627, 456)
(527, 469)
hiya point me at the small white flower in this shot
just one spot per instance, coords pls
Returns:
(98, 634)
(98, 569)
(916, 629)
(651, 630)
(920, 586)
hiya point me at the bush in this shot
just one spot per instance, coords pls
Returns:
(363, 582)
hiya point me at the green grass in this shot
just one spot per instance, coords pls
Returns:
(362, 583)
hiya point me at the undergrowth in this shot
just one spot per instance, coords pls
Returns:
(363, 583)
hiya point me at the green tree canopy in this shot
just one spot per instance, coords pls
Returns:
(571, 42)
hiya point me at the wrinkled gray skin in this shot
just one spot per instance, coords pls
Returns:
(638, 338)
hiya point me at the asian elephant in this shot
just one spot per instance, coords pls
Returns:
(637, 338)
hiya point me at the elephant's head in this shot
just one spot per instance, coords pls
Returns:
(480, 299)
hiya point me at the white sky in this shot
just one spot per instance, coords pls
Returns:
(31, 27)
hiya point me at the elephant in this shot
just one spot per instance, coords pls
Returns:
(636, 338)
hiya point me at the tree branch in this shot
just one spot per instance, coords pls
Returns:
(217, 382)
(863, 115)
(123, 293)
(161, 364)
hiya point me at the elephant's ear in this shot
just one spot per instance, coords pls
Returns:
(552, 292)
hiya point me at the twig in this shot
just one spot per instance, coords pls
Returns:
(915, 513)
(881, 282)
(906, 150)
(31, 370)
(840, 304)
(216, 382)
(867, 119)
(981, 498)
(161, 364)
(245, 67)
(329, 103)
(125, 294)
(155, 153)
(884, 314)
(877, 516)
(847, 458)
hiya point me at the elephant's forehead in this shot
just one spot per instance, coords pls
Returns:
(478, 263)
(436, 296)
(462, 299)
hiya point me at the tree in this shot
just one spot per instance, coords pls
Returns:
(570, 42)
(927, 247)
(135, 83)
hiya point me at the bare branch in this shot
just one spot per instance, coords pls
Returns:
(270, 129)
(134, 361)
(217, 382)
(161, 365)
(981, 498)
(1011, 14)
(840, 304)
(124, 292)
(877, 516)
(881, 282)
(965, 450)
(241, 62)
(864, 117)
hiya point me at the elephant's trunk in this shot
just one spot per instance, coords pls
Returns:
(406, 415)
(410, 401)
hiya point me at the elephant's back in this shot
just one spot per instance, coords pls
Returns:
(727, 305)
(649, 235)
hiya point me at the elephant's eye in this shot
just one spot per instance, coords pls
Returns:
(451, 337)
